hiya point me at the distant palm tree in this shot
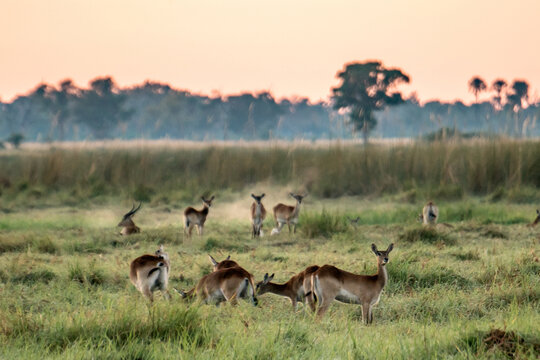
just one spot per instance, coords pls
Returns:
(476, 86)
(498, 86)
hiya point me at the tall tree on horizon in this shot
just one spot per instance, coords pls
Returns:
(365, 88)
(498, 86)
(476, 86)
(101, 108)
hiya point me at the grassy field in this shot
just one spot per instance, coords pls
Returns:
(65, 291)
(467, 291)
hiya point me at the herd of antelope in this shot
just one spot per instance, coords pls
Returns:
(315, 286)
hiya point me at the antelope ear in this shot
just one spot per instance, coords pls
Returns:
(537, 212)
(212, 260)
(291, 194)
(390, 247)
(265, 279)
(228, 257)
(374, 249)
(212, 198)
(161, 248)
(271, 277)
(202, 198)
(253, 196)
(263, 194)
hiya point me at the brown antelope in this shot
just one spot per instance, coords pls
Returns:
(196, 217)
(258, 214)
(331, 283)
(225, 264)
(294, 289)
(224, 285)
(286, 214)
(536, 221)
(127, 224)
(150, 273)
(430, 214)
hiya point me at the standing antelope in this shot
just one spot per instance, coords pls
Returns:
(294, 289)
(194, 217)
(286, 214)
(354, 222)
(225, 264)
(536, 221)
(430, 214)
(127, 224)
(150, 273)
(224, 285)
(331, 283)
(258, 214)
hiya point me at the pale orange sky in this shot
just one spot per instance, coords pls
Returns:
(292, 47)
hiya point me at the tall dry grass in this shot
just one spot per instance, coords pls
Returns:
(330, 170)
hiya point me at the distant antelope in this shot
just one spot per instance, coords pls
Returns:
(225, 264)
(430, 214)
(294, 289)
(150, 273)
(196, 217)
(354, 222)
(286, 214)
(258, 214)
(331, 283)
(127, 224)
(224, 285)
(536, 221)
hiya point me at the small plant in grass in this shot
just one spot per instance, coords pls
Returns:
(426, 235)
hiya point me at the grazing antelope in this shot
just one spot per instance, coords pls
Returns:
(258, 214)
(224, 285)
(430, 214)
(331, 283)
(150, 273)
(536, 221)
(285, 214)
(196, 217)
(127, 224)
(294, 289)
(225, 264)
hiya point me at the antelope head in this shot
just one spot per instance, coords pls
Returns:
(298, 197)
(382, 256)
(262, 287)
(126, 220)
(207, 202)
(258, 198)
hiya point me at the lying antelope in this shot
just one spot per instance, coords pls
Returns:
(225, 264)
(224, 285)
(286, 214)
(331, 283)
(294, 289)
(127, 224)
(194, 217)
(430, 214)
(150, 273)
(258, 214)
(536, 221)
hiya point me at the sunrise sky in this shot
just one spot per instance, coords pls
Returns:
(288, 47)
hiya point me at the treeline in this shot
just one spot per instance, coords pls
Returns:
(155, 110)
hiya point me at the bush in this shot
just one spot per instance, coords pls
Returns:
(323, 224)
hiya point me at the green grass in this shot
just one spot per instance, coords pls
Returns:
(65, 290)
